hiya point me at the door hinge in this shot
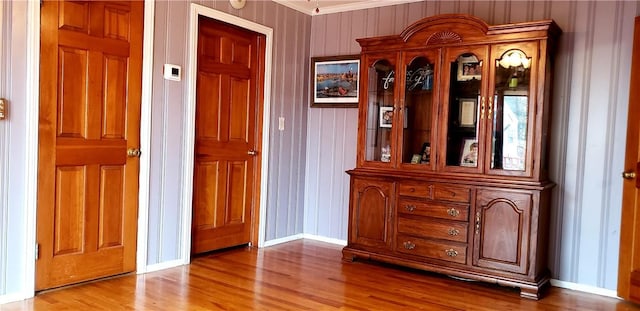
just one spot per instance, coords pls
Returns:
(37, 251)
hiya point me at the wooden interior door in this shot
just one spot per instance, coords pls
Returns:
(228, 113)
(629, 261)
(90, 85)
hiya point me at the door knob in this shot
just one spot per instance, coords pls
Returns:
(134, 153)
(629, 175)
(252, 152)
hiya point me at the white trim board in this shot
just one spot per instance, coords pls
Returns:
(309, 7)
(31, 136)
(189, 121)
(164, 265)
(145, 137)
(585, 288)
(307, 236)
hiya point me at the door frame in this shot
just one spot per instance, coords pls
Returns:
(190, 119)
(32, 108)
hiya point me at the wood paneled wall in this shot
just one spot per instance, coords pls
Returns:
(589, 122)
(288, 99)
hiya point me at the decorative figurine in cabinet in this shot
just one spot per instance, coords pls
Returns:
(451, 172)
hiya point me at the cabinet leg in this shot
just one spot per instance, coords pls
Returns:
(348, 256)
(530, 293)
(534, 292)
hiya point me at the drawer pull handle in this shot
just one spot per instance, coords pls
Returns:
(409, 245)
(412, 189)
(410, 208)
(453, 212)
(451, 252)
(453, 231)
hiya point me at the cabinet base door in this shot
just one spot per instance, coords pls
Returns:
(502, 229)
(370, 213)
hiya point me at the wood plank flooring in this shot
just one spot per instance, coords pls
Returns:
(300, 275)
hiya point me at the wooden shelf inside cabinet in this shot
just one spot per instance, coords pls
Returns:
(487, 219)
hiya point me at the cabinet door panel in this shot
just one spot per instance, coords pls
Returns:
(510, 109)
(502, 228)
(420, 98)
(370, 213)
(378, 100)
(463, 113)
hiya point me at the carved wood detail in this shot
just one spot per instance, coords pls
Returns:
(444, 37)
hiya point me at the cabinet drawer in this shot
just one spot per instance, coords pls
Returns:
(434, 209)
(452, 193)
(425, 248)
(444, 230)
(415, 190)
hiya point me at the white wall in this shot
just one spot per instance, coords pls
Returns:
(588, 123)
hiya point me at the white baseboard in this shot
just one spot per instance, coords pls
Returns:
(14, 297)
(325, 239)
(164, 265)
(304, 236)
(585, 288)
(283, 240)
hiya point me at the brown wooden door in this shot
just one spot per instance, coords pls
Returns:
(90, 84)
(503, 227)
(629, 261)
(228, 128)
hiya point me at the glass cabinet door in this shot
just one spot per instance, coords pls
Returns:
(381, 81)
(465, 109)
(510, 110)
(419, 108)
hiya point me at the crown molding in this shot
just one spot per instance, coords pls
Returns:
(326, 8)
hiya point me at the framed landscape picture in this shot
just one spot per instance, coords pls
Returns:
(335, 81)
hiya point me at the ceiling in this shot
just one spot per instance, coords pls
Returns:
(335, 6)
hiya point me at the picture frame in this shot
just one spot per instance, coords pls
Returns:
(425, 153)
(469, 153)
(335, 81)
(468, 113)
(386, 116)
(415, 158)
(469, 68)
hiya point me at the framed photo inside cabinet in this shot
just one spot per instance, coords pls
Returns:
(425, 155)
(335, 81)
(468, 112)
(469, 68)
(469, 153)
(386, 116)
(415, 158)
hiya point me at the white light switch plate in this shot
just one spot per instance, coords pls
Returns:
(172, 72)
(281, 123)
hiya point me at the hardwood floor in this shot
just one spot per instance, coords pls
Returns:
(300, 275)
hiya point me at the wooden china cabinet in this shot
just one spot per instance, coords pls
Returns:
(452, 161)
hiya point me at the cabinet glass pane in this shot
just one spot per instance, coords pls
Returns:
(510, 111)
(379, 111)
(418, 103)
(464, 99)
